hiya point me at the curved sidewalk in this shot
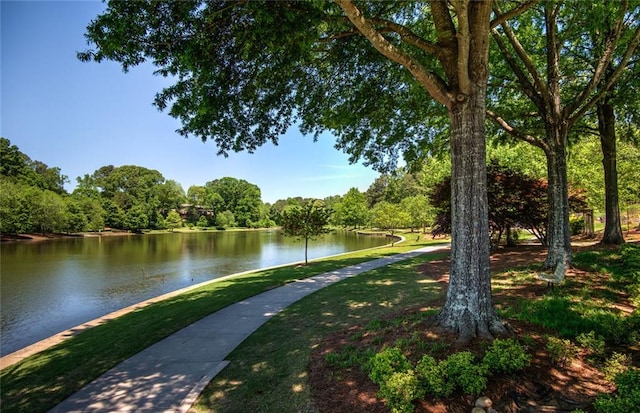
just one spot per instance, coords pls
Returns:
(169, 375)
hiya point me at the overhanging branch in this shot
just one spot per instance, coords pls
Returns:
(504, 125)
(433, 84)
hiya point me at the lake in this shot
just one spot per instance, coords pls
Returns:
(50, 286)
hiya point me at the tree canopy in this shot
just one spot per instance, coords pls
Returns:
(373, 73)
(305, 221)
(556, 62)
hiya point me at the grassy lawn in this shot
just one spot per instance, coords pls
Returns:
(45, 379)
(269, 372)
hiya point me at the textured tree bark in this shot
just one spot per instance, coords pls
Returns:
(468, 309)
(558, 230)
(606, 126)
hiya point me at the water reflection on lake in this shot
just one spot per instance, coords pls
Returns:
(50, 286)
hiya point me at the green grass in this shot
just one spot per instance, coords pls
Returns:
(269, 371)
(586, 303)
(45, 379)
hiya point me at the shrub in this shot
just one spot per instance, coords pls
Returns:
(385, 363)
(459, 368)
(632, 324)
(576, 225)
(630, 254)
(631, 258)
(595, 344)
(506, 356)
(616, 364)
(614, 327)
(561, 351)
(399, 390)
(432, 378)
(627, 399)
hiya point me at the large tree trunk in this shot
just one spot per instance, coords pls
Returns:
(558, 230)
(468, 309)
(606, 127)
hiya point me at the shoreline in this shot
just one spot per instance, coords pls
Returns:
(19, 355)
(33, 237)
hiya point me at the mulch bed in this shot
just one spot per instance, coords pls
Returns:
(542, 387)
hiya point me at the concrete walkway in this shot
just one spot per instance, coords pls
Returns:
(169, 375)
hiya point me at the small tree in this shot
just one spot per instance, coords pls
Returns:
(420, 211)
(389, 216)
(306, 222)
(225, 219)
(202, 222)
(173, 220)
(136, 219)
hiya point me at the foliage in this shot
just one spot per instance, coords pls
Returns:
(432, 378)
(576, 225)
(506, 356)
(461, 370)
(630, 254)
(387, 362)
(401, 382)
(585, 173)
(616, 364)
(14, 208)
(202, 222)
(515, 199)
(352, 210)
(225, 219)
(236, 195)
(306, 222)
(419, 209)
(561, 351)
(627, 398)
(595, 344)
(18, 167)
(386, 215)
(136, 219)
(399, 391)
(173, 220)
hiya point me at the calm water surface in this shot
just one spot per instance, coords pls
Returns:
(50, 286)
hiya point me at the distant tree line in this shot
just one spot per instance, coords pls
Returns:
(33, 198)
(129, 197)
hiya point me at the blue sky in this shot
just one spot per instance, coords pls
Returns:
(81, 116)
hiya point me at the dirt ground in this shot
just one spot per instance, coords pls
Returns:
(542, 387)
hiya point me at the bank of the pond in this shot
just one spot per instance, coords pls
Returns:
(19, 355)
(54, 285)
(43, 380)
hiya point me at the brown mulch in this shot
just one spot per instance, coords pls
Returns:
(542, 387)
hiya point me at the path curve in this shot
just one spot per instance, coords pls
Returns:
(169, 375)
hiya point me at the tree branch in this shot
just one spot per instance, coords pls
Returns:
(611, 41)
(553, 62)
(464, 39)
(434, 85)
(504, 125)
(502, 18)
(629, 53)
(442, 19)
(407, 35)
(525, 82)
(524, 57)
